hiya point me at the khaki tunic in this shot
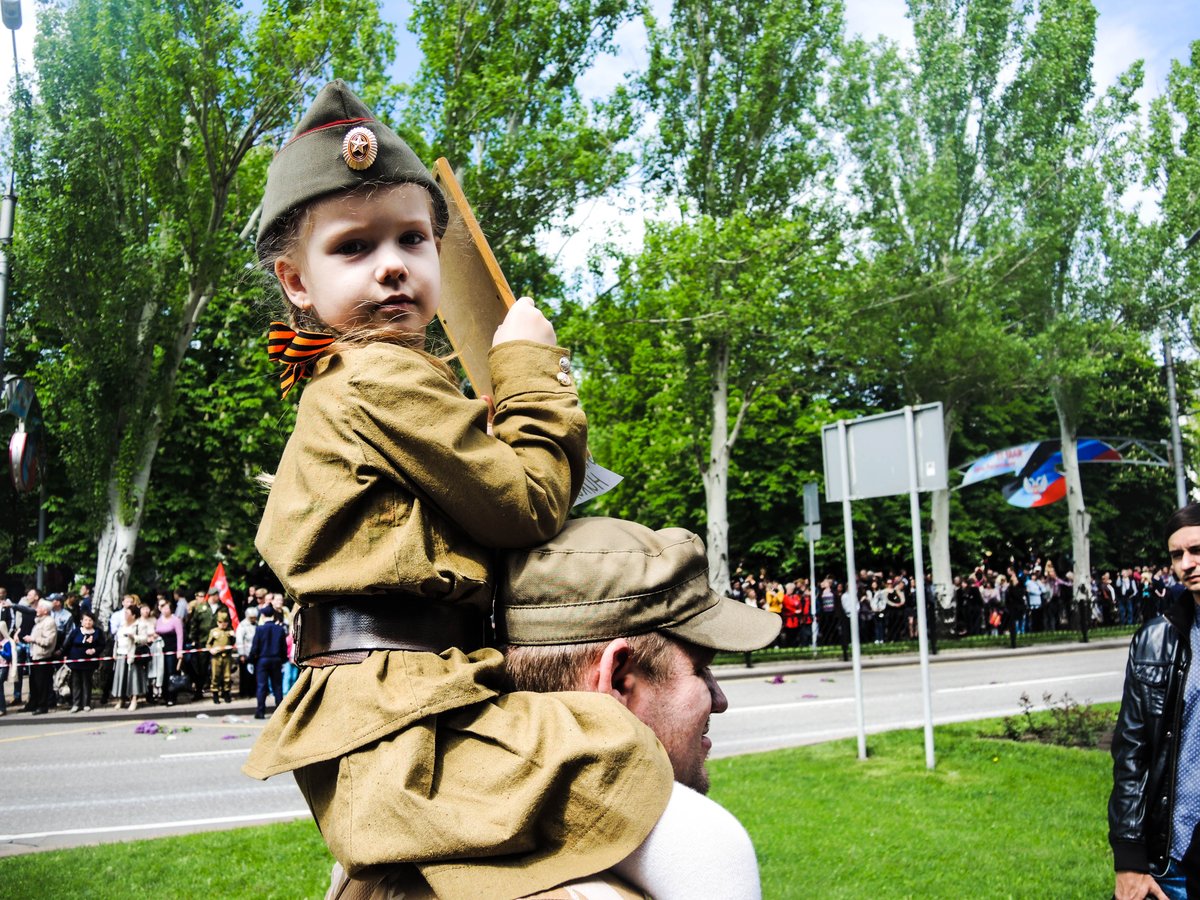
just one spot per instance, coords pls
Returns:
(390, 485)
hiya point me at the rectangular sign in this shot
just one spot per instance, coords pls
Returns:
(878, 456)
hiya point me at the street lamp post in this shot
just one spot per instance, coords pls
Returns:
(10, 14)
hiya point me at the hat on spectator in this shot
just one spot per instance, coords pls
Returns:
(601, 579)
(252, 612)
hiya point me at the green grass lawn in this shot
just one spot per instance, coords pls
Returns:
(995, 819)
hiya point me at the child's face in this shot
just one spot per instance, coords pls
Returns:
(367, 259)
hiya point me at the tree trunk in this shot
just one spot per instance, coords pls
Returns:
(118, 539)
(716, 474)
(939, 525)
(1080, 520)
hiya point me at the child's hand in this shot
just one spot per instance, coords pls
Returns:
(525, 322)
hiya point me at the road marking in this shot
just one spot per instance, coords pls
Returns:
(46, 734)
(185, 823)
(1010, 684)
(198, 753)
(796, 704)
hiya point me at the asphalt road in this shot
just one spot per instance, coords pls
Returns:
(90, 778)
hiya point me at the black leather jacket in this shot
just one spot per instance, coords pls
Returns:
(1145, 745)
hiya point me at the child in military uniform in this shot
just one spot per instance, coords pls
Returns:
(384, 516)
(221, 643)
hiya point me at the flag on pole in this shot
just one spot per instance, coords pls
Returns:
(221, 583)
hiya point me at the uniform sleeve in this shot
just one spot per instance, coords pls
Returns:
(510, 490)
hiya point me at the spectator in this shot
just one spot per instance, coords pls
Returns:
(878, 597)
(25, 613)
(894, 613)
(43, 638)
(202, 619)
(1126, 591)
(268, 650)
(245, 639)
(169, 629)
(150, 650)
(1033, 600)
(179, 597)
(1014, 606)
(83, 647)
(129, 679)
(108, 665)
(8, 652)
(221, 646)
(793, 607)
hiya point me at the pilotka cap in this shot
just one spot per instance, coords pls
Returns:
(602, 579)
(338, 146)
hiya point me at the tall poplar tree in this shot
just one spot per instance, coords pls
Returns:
(720, 297)
(141, 163)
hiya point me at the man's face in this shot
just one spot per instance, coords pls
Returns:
(677, 710)
(1184, 548)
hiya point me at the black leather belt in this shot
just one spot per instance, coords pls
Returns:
(346, 631)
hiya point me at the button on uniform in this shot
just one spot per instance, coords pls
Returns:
(564, 379)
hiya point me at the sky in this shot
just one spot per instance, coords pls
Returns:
(1156, 31)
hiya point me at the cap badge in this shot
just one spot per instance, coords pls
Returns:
(359, 148)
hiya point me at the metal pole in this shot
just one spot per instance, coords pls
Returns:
(41, 566)
(852, 590)
(1173, 411)
(812, 591)
(914, 506)
(7, 213)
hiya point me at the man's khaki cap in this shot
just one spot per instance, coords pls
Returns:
(602, 579)
(338, 146)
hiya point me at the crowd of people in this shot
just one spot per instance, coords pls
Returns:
(1025, 598)
(144, 652)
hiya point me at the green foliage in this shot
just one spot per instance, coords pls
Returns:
(141, 165)
(497, 94)
(271, 861)
(887, 827)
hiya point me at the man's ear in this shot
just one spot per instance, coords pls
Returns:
(614, 673)
(291, 279)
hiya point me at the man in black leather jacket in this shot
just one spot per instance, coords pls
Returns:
(1152, 794)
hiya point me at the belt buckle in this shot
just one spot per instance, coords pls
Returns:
(297, 617)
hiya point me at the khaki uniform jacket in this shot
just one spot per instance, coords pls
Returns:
(390, 482)
(391, 486)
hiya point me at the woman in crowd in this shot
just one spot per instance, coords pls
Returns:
(8, 650)
(83, 646)
(150, 652)
(169, 628)
(129, 679)
(894, 614)
(879, 598)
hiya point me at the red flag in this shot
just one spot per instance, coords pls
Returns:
(222, 585)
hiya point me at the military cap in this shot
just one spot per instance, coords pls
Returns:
(601, 579)
(338, 146)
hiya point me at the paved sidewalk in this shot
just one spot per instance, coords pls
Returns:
(882, 661)
(185, 710)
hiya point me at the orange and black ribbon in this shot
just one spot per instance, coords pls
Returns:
(297, 352)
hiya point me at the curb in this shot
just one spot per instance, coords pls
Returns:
(800, 666)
